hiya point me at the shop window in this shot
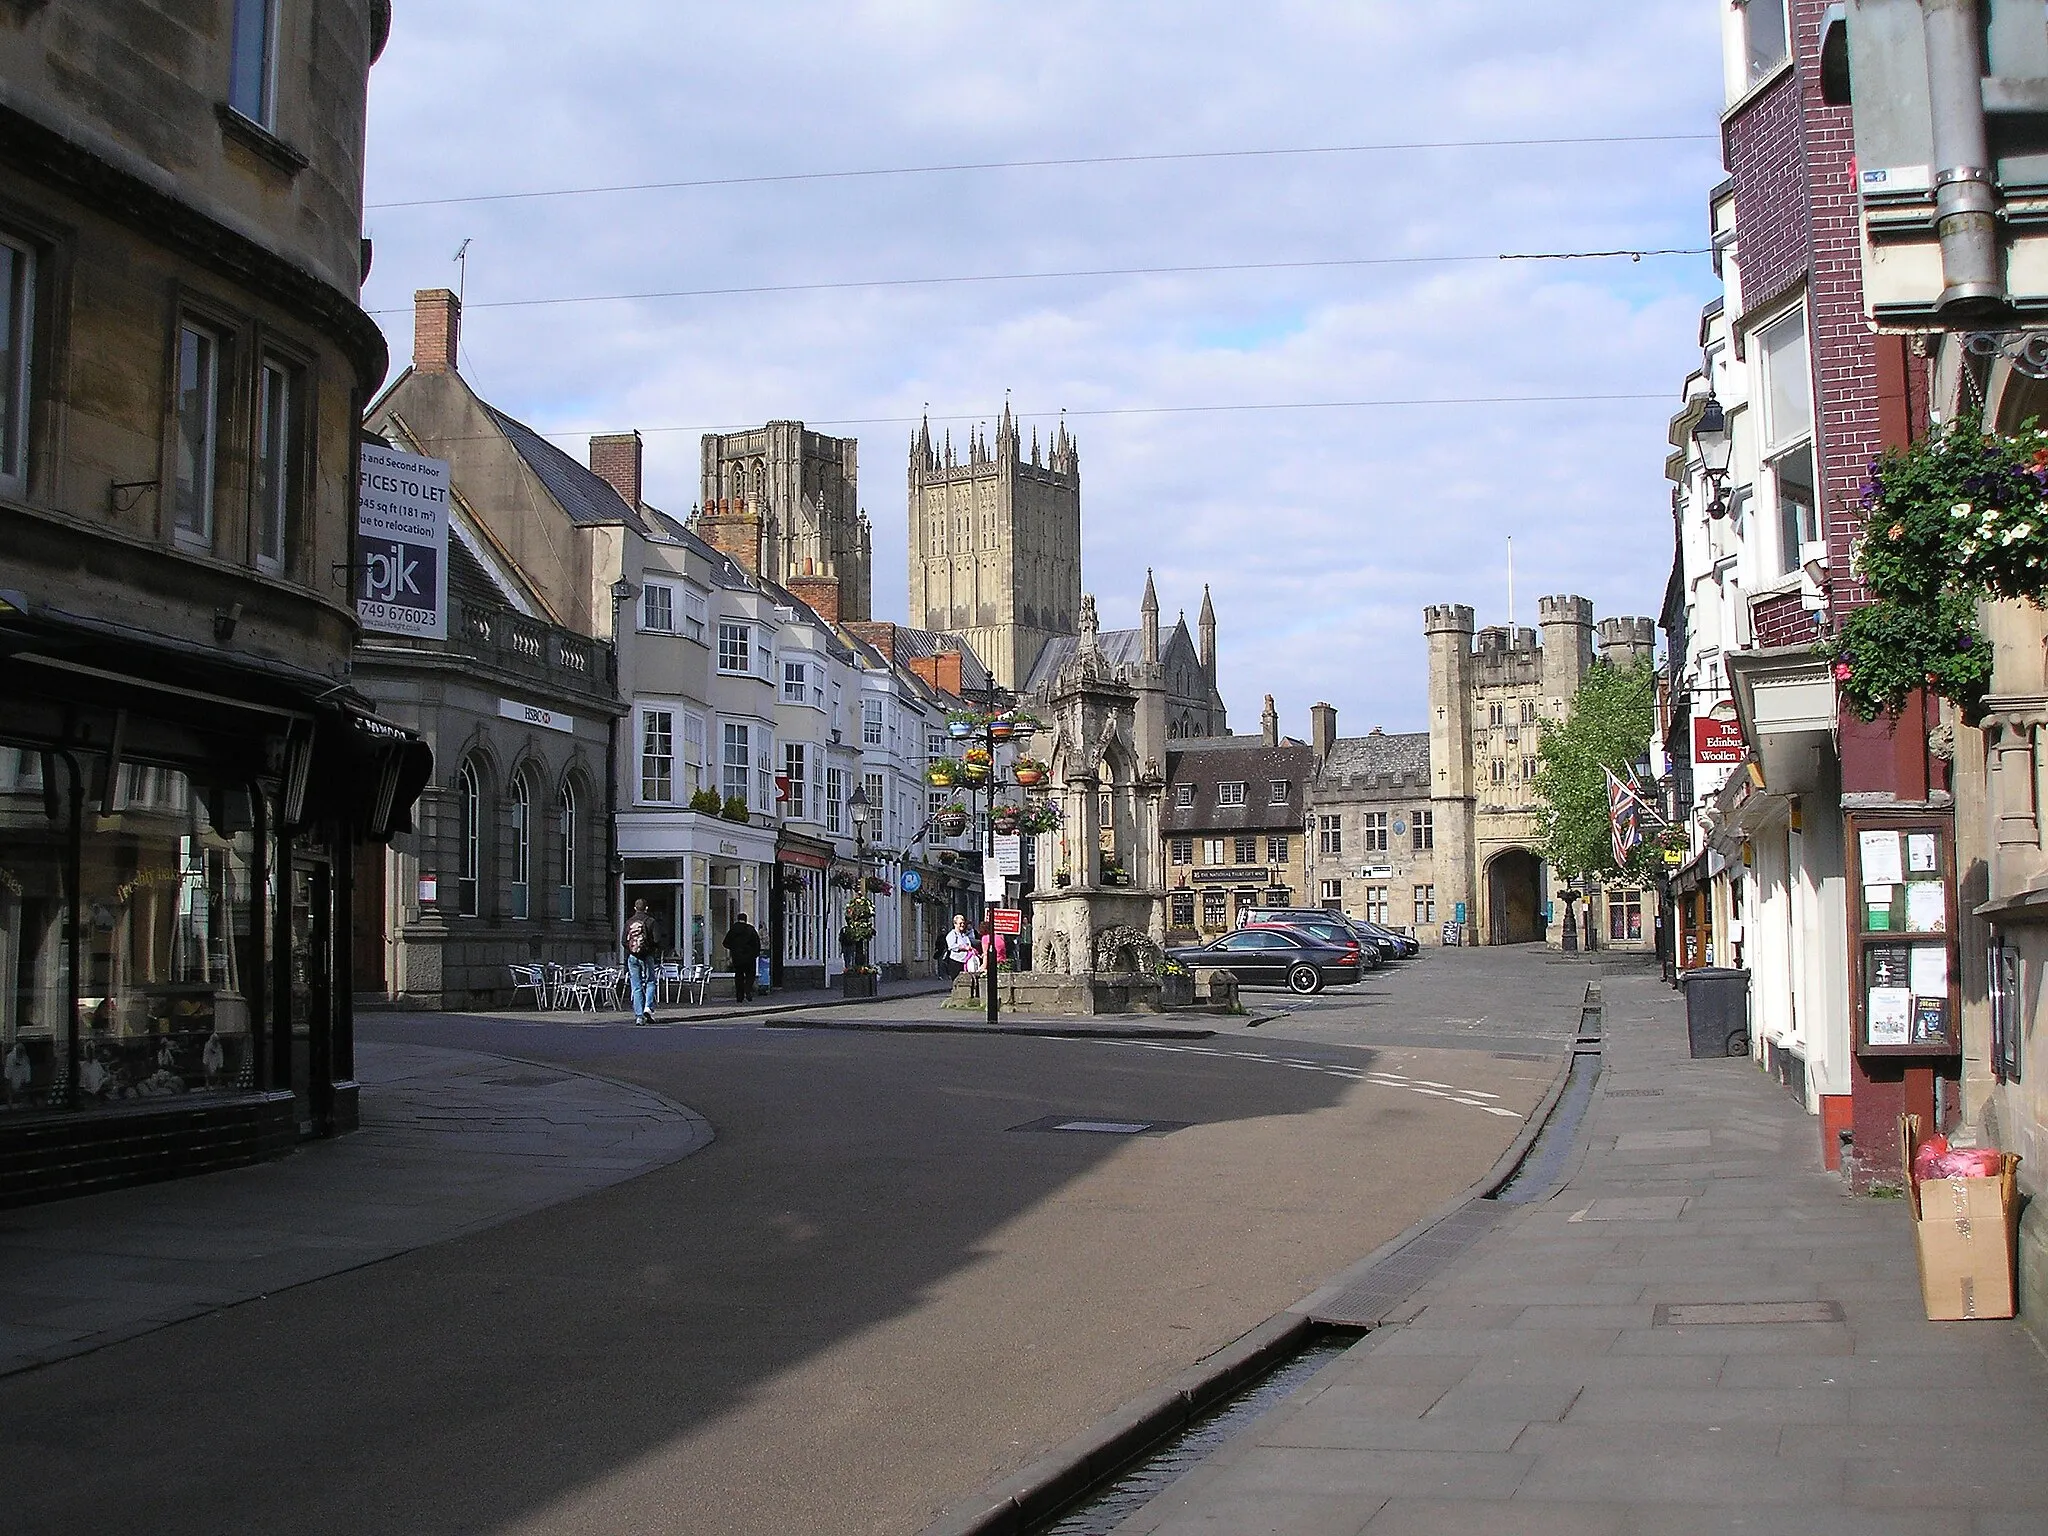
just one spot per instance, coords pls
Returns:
(468, 838)
(17, 336)
(1183, 909)
(1213, 909)
(565, 832)
(278, 391)
(252, 65)
(522, 849)
(198, 403)
(1624, 915)
(169, 955)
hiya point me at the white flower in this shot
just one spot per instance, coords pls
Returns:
(1959, 510)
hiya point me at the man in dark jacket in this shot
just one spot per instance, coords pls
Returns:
(743, 944)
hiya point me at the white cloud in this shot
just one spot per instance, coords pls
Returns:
(1322, 532)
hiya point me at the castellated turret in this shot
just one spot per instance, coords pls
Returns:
(1567, 625)
(1627, 641)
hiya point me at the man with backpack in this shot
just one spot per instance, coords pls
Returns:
(642, 945)
(743, 944)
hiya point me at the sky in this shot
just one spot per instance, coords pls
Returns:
(1330, 448)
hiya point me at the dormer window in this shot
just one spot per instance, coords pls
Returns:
(1232, 793)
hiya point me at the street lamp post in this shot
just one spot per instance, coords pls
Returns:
(857, 808)
(1716, 446)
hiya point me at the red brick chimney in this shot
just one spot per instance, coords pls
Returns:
(941, 671)
(729, 526)
(878, 633)
(617, 457)
(821, 592)
(436, 330)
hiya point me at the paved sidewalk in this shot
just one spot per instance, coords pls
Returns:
(451, 1142)
(1541, 1384)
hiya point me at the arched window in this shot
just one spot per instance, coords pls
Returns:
(469, 814)
(522, 847)
(565, 893)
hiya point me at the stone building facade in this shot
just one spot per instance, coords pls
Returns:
(1232, 828)
(995, 543)
(1370, 837)
(785, 502)
(184, 764)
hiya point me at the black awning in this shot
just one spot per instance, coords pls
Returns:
(365, 772)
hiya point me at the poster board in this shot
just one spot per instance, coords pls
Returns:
(1904, 994)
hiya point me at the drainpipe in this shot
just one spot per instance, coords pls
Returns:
(1965, 200)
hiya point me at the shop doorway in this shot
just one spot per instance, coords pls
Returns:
(370, 905)
(1513, 891)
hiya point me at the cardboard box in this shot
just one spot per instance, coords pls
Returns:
(1965, 1231)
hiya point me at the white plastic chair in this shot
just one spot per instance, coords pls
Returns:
(669, 981)
(698, 979)
(579, 982)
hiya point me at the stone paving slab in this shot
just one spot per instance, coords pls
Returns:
(451, 1142)
(1541, 1385)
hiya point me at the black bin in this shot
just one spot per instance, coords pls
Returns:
(1717, 1011)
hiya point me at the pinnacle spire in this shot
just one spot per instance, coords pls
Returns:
(1151, 602)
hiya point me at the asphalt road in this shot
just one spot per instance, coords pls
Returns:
(874, 1292)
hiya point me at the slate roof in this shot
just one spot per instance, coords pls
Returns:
(469, 581)
(1380, 752)
(586, 496)
(1117, 646)
(1203, 762)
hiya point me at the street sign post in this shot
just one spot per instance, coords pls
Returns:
(1009, 920)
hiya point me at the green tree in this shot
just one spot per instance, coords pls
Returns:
(1609, 726)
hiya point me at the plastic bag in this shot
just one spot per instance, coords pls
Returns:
(1934, 1158)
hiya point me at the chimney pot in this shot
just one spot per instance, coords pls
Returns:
(617, 457)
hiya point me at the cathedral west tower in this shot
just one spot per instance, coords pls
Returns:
(995, 543)
(790, 498)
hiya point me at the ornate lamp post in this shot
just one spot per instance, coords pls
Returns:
(857, 981)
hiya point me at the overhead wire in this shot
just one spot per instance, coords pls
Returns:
(1053, 162)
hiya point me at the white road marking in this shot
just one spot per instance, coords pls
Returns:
(1471, 1098)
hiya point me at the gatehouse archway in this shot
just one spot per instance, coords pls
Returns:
(1514, 909)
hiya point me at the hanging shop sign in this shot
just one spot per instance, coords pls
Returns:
(1717, 737)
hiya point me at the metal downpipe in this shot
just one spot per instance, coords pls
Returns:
(1965, 199)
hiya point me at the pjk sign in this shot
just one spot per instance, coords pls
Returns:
(402, 543)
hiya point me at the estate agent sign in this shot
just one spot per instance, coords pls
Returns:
(402, 544)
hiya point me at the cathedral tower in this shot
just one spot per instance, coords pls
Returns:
(796, 495)
(995, 543)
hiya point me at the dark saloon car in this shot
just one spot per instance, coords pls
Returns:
(1329, 929)
(1275, 957)
(1390, 945)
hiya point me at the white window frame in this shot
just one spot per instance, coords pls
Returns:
(469, 807)
(1783, 441)
(796, 780)
(1754, 70)
(735, 635)
(1231, 792)
(522, 849)
(649, 736)
(693, 755)
(1278, 793)
(1276, 849)
(194, 525)
(1425, 905)
(1183, 797)
(871, 724)
(835, 798)
(263, 110)
(20, 336)
(796, 682)
(565, 830)
(1376, 904)
(658, 608)
(735, 760)
(696, 615)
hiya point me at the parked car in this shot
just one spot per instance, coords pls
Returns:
(1275, 957)
(1410, 946)
(1331, 929)
(1389, 945)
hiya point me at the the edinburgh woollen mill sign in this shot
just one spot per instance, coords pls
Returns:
(402, 544)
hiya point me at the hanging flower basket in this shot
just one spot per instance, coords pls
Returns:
(1006, 818)
(1002, 727)
(877, 886)
(973, 773)
(1040, 816)
(1029, 771)
(861, 910)
(793, 884)
(842, 880)
(950, 819)
(962, 723)
(976, 755)
(943, 772)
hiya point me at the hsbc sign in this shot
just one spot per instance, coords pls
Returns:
(402, 543)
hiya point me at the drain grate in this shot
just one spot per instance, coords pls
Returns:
(1635, 1093)
(1094, 1125)
(1695, 1314)
(1519, 1056)
(1366, 1302)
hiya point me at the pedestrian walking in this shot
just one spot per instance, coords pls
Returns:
(743, 945)
(959, 945)
(642, 943)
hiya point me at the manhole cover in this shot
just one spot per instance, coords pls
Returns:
(1092, 1126)
(1691, 1314)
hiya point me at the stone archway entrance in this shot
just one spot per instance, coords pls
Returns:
(1513, 898)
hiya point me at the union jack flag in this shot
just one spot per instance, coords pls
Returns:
(1624, 818)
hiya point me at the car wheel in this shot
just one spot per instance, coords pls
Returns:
(1304, 979)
